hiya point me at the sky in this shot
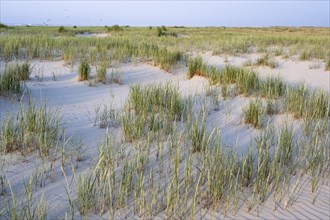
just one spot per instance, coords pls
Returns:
(155, 13)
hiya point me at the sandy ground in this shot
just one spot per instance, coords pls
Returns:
(57, 83)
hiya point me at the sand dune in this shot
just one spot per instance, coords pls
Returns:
(57, 83)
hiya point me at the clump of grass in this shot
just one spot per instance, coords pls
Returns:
(272, 87)
(295, 100)
(301, 102)
(101, 73)
(26, 206)
(247, 82)
(215, 75)
(265, 61)
(167, 59)
(327, 65)
(320, 99)
(83, 70)
(107, 116)
(196, 67)
(224, 90)
(156, 98)
(24, 71)
(133, 126)
(9, 82)
(264, 142)
(116, 76)
(151, 108)
(197, 135)
(3, 179)
(272, 107)
(10, 79)
(254, 113)
(285, 146)
(232, 73)
(305, 55)
(31, 129)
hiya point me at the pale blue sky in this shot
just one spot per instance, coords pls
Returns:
(187, 13)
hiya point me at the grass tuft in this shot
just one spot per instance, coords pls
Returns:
(196, 67)
(327, 65)
(10, 79)
(33, 128)
(265, 61)
(84, 70)
(254, 113)
(101, 73)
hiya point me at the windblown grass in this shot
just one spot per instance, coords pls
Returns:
(84, 70)
(302, 101)
(151, 108)
(173, 166)
(327, 65)
(101, 73)
(254, 113)
(272, 87)
(10, 79)
(31, 129)
(265, 61)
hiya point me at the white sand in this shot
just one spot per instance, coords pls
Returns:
(77, 102)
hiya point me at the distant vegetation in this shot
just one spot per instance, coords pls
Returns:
(39, 42)
(115, 28)
(61, 29)
(162, 31)
(3, 25)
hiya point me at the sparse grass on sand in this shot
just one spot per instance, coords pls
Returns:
(162, 155)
